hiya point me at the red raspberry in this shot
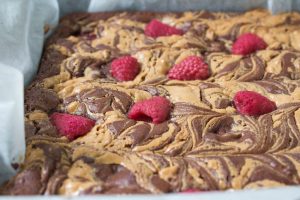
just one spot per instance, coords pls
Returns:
(156, 29)
(191, 68)
(71, 126)
(156, 109)
(248, 43)
(252, 103)
(125, 68)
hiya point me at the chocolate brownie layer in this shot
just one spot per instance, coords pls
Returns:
(205, 144)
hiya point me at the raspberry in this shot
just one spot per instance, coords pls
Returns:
(125, 68)
(71, 126)
(156, 109)
(252, 103)
(156, 29)
(248, 43)
(191, 68)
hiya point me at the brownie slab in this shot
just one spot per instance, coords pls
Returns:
(204, 144)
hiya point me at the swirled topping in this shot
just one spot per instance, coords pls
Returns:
(219, 96)
(226, 67)
(202, 138)
(96, 101)
(161, 174)
(45, 168)
(199, 132)
(100, 40)
(287, 64)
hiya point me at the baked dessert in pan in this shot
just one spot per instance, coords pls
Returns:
(145, 102)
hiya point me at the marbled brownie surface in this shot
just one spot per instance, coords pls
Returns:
(204, 145)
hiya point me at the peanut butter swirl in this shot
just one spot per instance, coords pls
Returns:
(205, 144)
